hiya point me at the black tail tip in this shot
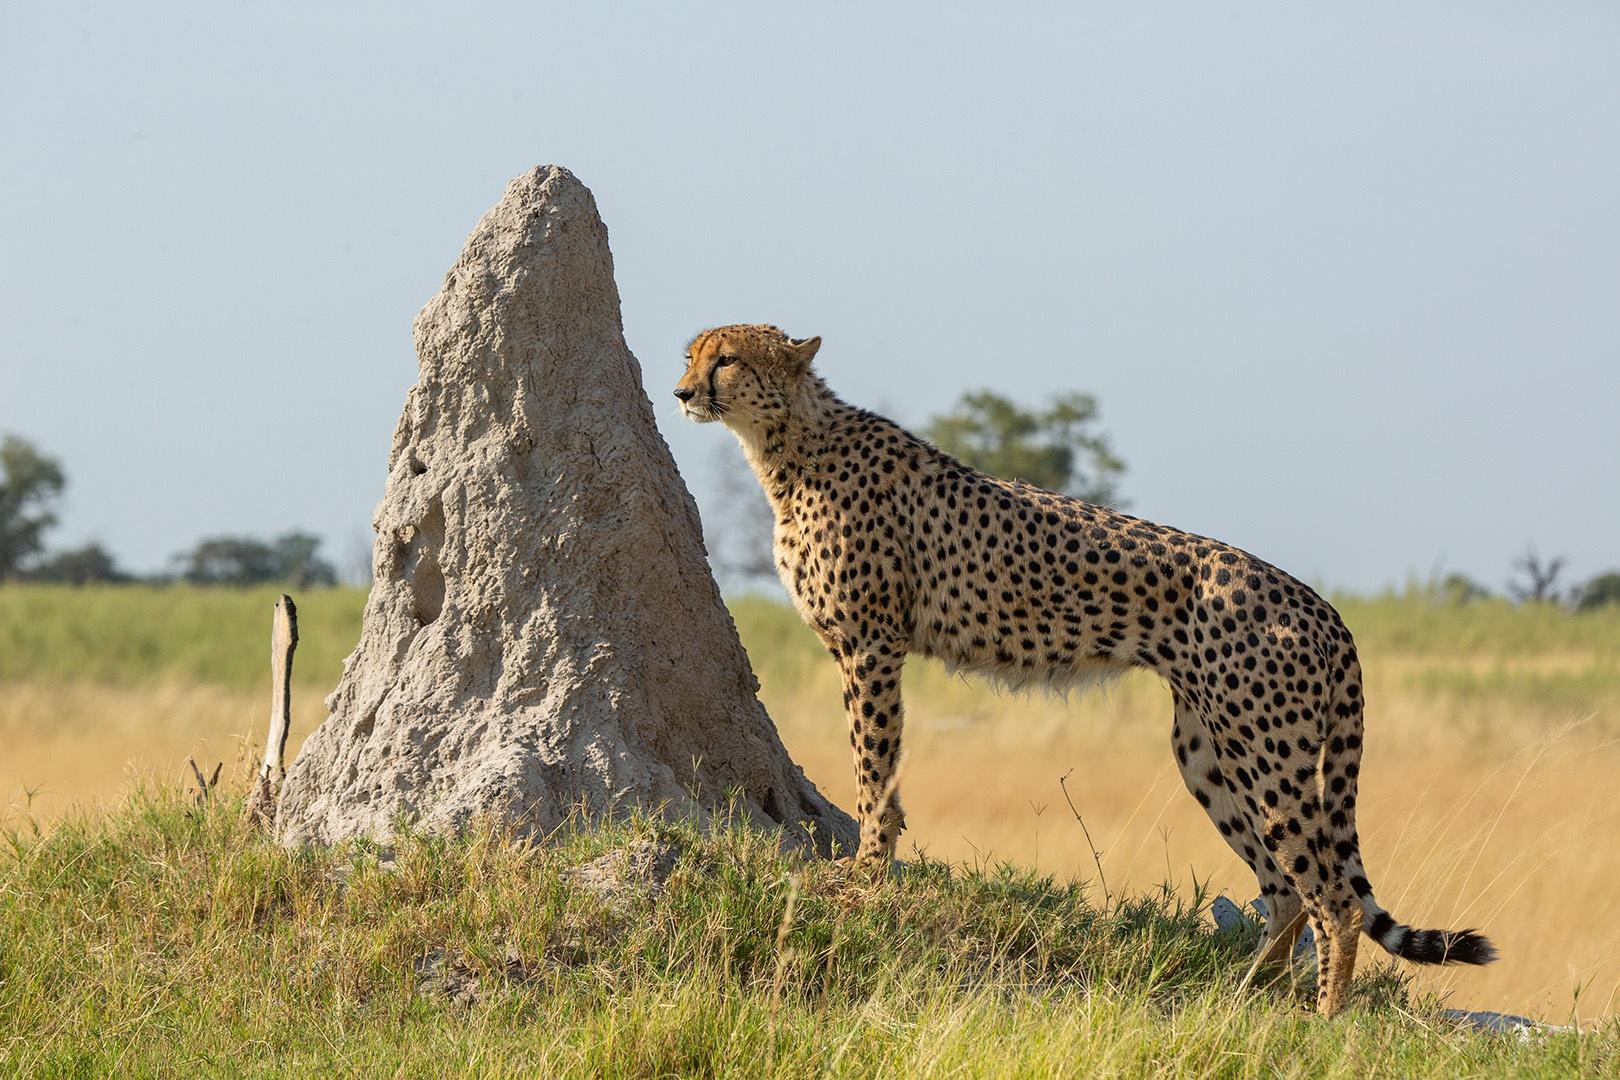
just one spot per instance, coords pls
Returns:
(1446, 947)
(1468, 947)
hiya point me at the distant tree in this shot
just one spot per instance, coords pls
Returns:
(1601, 591)
(227, 560)
(1458, 589)
(299, 563)
(1538, 580)
(30, 484)
(292, 559)
(1058, 448)
(79, 566)
(356, 560)
(738, 531)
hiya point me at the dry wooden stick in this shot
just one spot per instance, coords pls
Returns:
(1096, 856)
(261, 804)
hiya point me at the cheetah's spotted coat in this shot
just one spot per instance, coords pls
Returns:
(891, 547)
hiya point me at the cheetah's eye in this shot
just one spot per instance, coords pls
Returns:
(725, 361)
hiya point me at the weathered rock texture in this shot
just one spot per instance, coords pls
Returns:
(543, 632)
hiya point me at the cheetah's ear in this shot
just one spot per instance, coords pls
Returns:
(803, 350)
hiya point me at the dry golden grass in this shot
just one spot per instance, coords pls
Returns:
(1488, 794)
(82, 743)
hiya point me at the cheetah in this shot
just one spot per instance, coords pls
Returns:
(890, 547)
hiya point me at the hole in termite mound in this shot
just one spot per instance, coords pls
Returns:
(422, 564)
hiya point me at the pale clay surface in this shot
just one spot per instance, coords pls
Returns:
(543, 630)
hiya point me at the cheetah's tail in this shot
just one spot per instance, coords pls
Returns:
(1418, 946)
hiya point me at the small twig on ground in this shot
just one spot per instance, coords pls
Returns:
(1096, 856)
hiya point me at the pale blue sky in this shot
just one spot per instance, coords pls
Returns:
(1346, 278)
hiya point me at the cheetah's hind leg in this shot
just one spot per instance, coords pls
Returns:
(1201, 772)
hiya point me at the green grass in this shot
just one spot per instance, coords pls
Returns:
(135, 634)
(1408, 624)
(1413, 623)
(1445, 649)
(1574, 689)
(132, 634)
(162, 941)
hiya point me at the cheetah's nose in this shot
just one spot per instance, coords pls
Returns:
(684, 393)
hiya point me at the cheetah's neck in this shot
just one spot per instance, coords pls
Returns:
(781, 452)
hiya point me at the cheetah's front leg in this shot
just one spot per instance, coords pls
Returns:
(872, 700)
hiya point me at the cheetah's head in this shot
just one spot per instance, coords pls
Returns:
(746, 375)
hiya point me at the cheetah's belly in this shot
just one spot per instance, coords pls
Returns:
(1006, 659)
